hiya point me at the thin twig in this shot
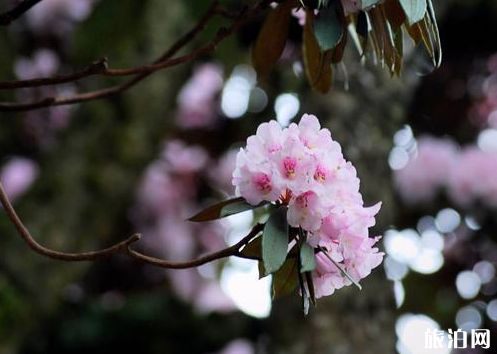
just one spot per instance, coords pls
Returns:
(98, 67)
(227, 252)
(142, 72)
(122, 247)
(8, 17)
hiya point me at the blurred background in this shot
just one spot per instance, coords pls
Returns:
(85, 176)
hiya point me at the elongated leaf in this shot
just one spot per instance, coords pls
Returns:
(272, 38)
(310, 287)
(367, 4)
(223, 209)
(395, 14)
(415, 33)
(328, 28)
(436, 33)
(262, 270)
(339, 49)
(238, 207)
(275, 241)
(253, 249)
(317, 64)
(399, 47)
(285, 280)
(384, 36)
(307, 258)
(414, 9)
(425, 36)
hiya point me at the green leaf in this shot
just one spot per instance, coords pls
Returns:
(253, 249)
(262, 270)
(367, 4)
(275, 241)
(238, 207)
(285, 280)
(223, 209)
(307, 258)
(414, 9)
(328, 28)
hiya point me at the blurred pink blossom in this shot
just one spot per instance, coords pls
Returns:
(44, 62)
(474, 178)
(299, 14)
(17, 175)
(220, 176)
(167, 196)
(42, 124)
(238, 346)
(58, 15)
(197, 100)
(184, 159)
(427, 171)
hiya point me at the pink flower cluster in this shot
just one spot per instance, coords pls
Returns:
(302, 167)
(468, 175)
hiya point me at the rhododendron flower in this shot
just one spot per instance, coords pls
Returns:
(302, 168)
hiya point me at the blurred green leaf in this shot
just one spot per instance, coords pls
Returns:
(414, 9)
(328, 28)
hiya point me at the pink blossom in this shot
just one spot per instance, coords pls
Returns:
(197, 105)
(184, 159)
(427, 171)
(473, 178)
(303, 168)
(304, 211)
(17, 175)
(220, 176)
(238, 346)
(58, 15)
(300, 14)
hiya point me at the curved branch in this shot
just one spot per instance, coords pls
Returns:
(10, 16)
(35, 246)
(142, 72)
(123, 247)
(227, 252)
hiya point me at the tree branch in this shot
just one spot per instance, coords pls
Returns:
(10, 16)
(122, 247)
(140, 72)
